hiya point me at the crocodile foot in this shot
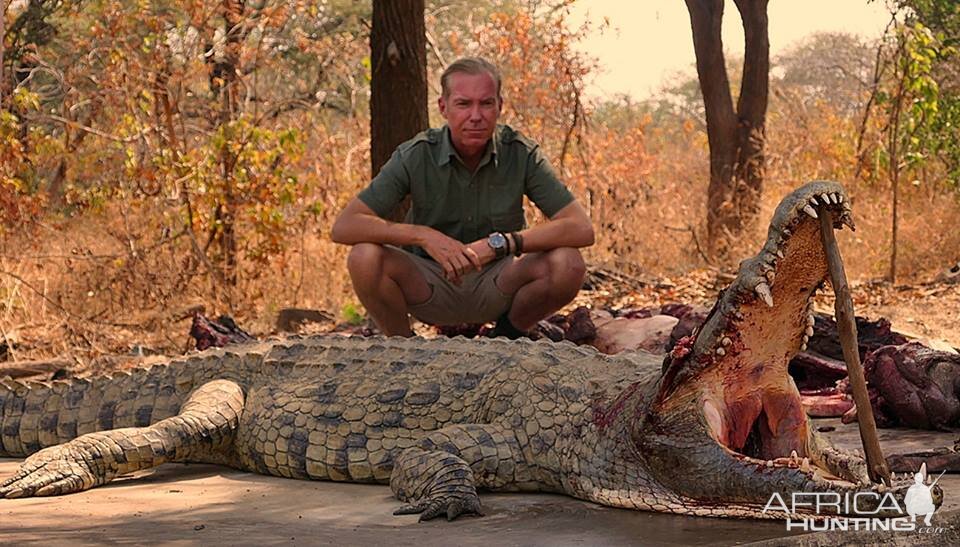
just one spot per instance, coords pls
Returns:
(54, 471)
(451, 505)
(434, 483)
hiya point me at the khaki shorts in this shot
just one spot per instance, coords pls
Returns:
(477, 299)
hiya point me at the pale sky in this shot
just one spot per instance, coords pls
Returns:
(649, 40)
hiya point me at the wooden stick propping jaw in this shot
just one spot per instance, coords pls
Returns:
(847, 326)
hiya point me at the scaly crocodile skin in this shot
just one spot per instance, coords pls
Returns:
(513, 415)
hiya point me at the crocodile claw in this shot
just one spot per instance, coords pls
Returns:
(451, 506)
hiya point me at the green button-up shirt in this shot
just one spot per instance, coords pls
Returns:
(467, 206)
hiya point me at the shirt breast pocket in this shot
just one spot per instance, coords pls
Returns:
(508, 222)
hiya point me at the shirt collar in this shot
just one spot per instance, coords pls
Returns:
(447, 150)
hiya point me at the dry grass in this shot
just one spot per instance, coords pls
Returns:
(107, 280)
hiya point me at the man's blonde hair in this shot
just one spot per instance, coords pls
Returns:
(469, 65)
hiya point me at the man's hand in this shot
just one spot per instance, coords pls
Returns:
(454, 257)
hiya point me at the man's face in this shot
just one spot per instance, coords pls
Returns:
(471, 110)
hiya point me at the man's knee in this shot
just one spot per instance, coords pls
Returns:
(567, 266)
(365, 259)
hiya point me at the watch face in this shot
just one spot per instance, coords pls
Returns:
(497, 241)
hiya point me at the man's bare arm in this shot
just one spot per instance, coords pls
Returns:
(569, 227)
(358, 223)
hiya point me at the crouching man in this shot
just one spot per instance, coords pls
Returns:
(464, 256)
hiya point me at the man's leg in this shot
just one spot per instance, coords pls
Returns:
(386, 282)
(541, 283)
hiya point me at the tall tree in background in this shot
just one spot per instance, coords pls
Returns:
(224, 85)
(3, 41)
(398, 86)
(736, 136)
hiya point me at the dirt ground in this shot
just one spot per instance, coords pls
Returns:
(204, 504)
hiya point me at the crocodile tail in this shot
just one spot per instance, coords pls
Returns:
(35, 415)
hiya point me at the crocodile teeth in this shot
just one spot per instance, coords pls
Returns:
(779, 253)
(808, 331)
(786, 232)
(834, 199)
(805, 465)
(809, 210)
(721, 352)
(847, 221)
(793, 455)
(769, 463)
(840, 198)
(811, 320)
(763, 291)
(770, 276)
(813, 201)
(725, 341)
(803, 346)
(825, 198)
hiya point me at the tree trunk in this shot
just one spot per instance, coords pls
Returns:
(233, 13)
(735, 137)
(893, 136)
(398, 87)
(3, 34)
(752, 108)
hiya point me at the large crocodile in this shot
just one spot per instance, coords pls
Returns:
(713, 429)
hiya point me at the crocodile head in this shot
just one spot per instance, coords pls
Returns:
(725, 429)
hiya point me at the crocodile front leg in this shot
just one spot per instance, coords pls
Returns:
(205, 426)
(441, 474)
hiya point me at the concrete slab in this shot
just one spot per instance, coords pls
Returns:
(203, 504)
(193, 504)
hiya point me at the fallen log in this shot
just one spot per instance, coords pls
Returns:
(291, 319)
(937, 459)
(24, 369)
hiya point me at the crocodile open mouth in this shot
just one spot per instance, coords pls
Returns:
(738, 359)
(727, 412)
(771, 431)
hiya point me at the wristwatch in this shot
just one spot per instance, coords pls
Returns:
(498, 242)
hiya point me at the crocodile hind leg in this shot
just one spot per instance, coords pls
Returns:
(441, 474)
(205, 426)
